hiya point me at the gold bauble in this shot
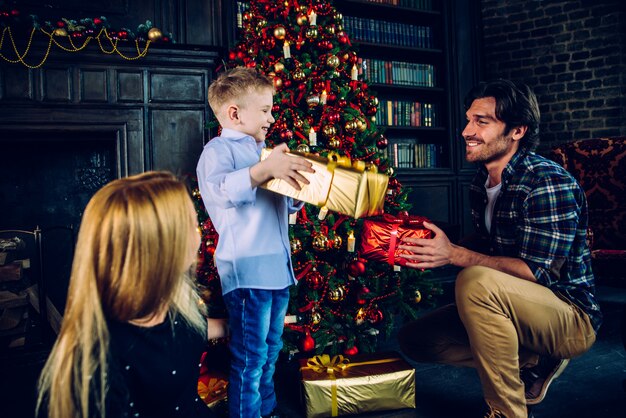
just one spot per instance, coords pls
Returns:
(299, 75)
(296, 246)
(330, 29)
(374, 101)
(279, 32)
(155, 34)
(351, 126)
(334, 143)
(337, 295)
(332, 61)
(337, 242)
(302, 19)
(373, 119)
(311, 32)
(338, 16)
(279, 66)
(304, 148)
(313, 101)
(329, 130)
(303, 8)
(320, 242)
(278, 82)
(417, 297)
(297, 122)
(60, 32)
(361, 125)
(390, 171)
(316, 318)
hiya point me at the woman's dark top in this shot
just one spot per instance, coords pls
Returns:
(153, 371)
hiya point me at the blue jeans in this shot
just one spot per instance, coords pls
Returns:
(256, 321)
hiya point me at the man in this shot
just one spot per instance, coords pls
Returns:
(524, 300)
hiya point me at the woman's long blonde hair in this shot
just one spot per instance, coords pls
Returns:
(133, 255)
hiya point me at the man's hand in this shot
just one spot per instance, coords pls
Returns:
(279, 165)
(428, 253)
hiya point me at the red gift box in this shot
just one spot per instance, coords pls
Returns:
(382, 235)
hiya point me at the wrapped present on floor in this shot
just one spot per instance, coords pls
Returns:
(351, 188)
(381, 236)
(334, 386)
(213, 378)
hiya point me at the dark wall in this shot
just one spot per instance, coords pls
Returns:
(572, 53)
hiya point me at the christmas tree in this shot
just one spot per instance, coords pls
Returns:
(342, 302)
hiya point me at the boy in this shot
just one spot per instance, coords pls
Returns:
(253, 252)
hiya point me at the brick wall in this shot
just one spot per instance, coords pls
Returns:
(572, 53)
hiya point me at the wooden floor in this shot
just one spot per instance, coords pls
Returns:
(590, 387)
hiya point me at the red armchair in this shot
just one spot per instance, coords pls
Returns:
(599, 165)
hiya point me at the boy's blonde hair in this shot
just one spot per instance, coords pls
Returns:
(232, 85)
(132, 260)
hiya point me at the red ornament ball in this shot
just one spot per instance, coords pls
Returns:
(356, 268)
(351, 351)
(307, 343)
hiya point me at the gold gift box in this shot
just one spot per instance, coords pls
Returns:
(334, 386)
(336, 185)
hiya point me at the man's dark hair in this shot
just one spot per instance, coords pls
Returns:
(516, 105)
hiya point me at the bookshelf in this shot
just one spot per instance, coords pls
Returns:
(402, 44)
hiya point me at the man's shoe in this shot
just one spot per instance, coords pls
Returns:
(537, 379)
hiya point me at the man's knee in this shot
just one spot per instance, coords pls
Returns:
(474, 280)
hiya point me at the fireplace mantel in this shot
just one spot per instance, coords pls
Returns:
(155, 106)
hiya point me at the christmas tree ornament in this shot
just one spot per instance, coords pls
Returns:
(334, 143)
(356, 267)
(361, 316)
(351, 351)
(417, 296)
(337, 294)
(337, 242)
(279, 66)
(155, 34)
(316, 318)
(362, 295)
(301, 19)
(296, 246)
(313, 101)
(375, 316)
(261, 23)
(320, 242)
(351, 126)
(308, 343)
(314, 279)
(298, 75)
(382, 142)
(311, 32)
(303, 148)
(329, 131)
(279, 32)
(332, 61)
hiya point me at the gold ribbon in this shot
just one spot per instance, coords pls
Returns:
(213, 388)
(325, 364)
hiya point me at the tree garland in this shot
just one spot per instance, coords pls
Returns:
(72, 35)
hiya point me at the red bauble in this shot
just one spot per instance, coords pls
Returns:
(342, 102)
(361, 296)
(275, 108)
(286, 135)
(15, 12)
(60, 24)
(356, 268)
(351, 351)
(307, 343)
(375, 316)
(382, 142)
(232, 55)
(97, 21)
(314, 280)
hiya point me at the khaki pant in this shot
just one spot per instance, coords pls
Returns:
(498, 324)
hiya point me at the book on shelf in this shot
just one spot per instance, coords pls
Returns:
(389, 33)
(398, 72)
(406, 114)
(407, 153)
(409, 4)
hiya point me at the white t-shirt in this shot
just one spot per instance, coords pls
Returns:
(492, 196)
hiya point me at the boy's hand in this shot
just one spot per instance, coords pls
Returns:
(279, 165)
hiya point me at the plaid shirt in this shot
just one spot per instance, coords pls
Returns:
(540, 216)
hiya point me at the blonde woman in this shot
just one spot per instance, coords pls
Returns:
(132, 332)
